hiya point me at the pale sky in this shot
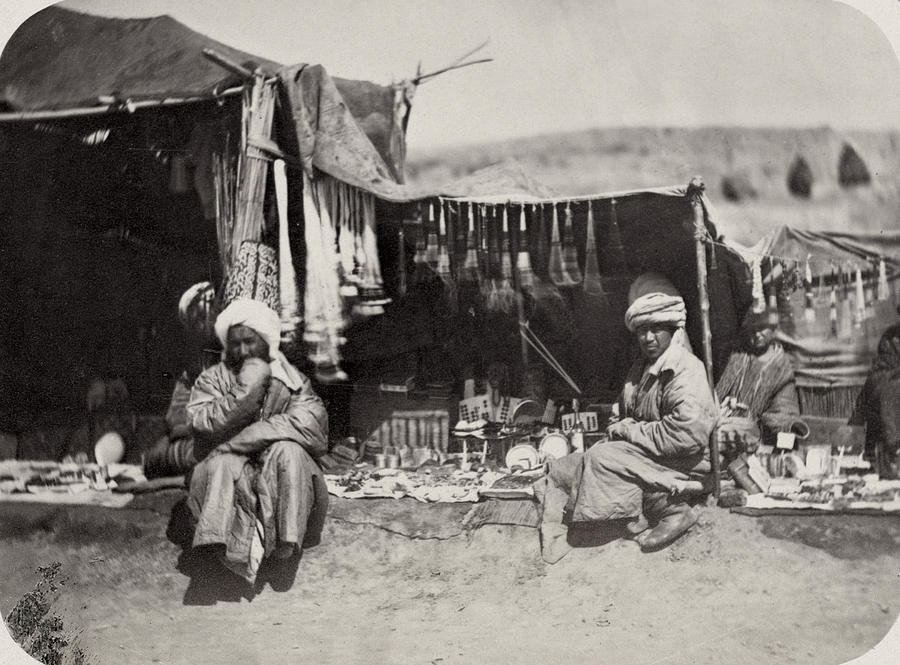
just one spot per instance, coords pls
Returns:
(572, 64)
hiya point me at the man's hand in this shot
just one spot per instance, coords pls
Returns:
(255, 371)
(618, 429)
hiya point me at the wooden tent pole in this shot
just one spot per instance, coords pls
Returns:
(695, 190)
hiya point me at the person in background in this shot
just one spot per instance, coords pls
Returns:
(173, 453)
(757, 389)
(639, 475)
(258, 428)
(878, 405)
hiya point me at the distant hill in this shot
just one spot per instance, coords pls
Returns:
(751, 164)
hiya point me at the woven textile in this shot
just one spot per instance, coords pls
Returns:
(254, 275)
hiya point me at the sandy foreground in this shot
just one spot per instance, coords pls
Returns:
(735, 590)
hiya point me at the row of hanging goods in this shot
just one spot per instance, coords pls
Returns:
(542, 250)
(443, 269)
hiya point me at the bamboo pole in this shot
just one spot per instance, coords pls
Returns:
(111, 109)
(695, 189)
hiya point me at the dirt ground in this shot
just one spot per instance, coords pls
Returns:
(735, 590)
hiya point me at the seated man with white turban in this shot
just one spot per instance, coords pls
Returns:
(258, 427)
(667, 413)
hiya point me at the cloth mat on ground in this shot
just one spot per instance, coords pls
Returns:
(514, 512)
(765, 512)
(406, 517)
(105, 499)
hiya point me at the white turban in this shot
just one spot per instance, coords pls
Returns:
(656, 308)
(261, 318)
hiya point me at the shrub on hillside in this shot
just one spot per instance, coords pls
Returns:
(800, 178)
(738, 187)
(852, 170)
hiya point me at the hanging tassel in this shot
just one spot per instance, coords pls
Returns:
(593, 284)
(523, 259)
(558, 274)
(541, 251)
(401, 261)
(773, 297)
(471, 272)
(287, 279)
(832, 303)
(859, 313)
(422, 272)
(431, 249)
(809, 311)
(460, 247)
(346, 246)
(759, 298)
(488, 285)
(884, 292)
(371, 290)
(444, 271)
(545, 296)
(618, 262)
(506, 295)
(570, 253)
(871, 287)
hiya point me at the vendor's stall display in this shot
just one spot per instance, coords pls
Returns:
(831, 495)
(429, 484)
(66, 482)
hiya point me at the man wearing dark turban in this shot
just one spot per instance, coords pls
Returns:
(667, 413)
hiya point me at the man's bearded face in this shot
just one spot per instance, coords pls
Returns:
(243, 343)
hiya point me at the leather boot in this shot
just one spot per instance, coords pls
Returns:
(678, 518)
(636, 526)
(554, 541)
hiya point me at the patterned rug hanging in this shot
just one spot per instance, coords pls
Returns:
(593, 284)
(569, 251)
